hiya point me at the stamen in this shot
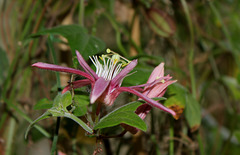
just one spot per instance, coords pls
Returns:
(111, 64)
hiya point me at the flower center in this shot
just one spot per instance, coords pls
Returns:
(109, 65)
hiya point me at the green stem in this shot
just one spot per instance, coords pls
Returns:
(55, 138)
(81, 12)
(12, 126)
(201, 148)
(171, 142)
(28, 24)
(191, 52)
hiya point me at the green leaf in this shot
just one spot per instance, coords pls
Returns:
(66, 100)
(176, 88)
(78, 39)
(124, 114)
(177, 101)
(193, 113)
(57, 101)
(79, 121)
(43, 116)
(43, 104)
(58, 113)
(80, 103)
(140, 75)
(132, 106)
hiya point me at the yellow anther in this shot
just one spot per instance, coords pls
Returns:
(108, 50)
(163, 81)
(116, 58)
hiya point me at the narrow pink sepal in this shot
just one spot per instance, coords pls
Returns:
(52, 67)
(76, 84)
(116, 81)
(148, 100)
(99, 87)
(85, 66)
(143, 110)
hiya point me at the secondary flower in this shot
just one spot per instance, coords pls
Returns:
(106, 82)
(152, 91)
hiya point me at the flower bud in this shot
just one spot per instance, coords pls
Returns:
(160, 22)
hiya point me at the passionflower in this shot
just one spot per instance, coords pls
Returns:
(106, 81)
(152, 91)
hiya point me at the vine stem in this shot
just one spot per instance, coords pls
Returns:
(55, 138)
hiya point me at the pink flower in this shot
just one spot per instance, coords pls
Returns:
(151, 91)
(106, 81)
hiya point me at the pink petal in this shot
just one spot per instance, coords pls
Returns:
(52, 67)
(116, 81)
(76, 84)
(85, 66)
(148, 100)
(100, 86)
(111, 97)
(156, 90)
(150, 84)
(158, 72)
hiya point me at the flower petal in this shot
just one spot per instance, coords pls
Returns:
(76, 84)
(148, 100)
(117, 80)
(158, 72)
(99, 87)
(52, 67)
(157, 90)
(85, 66)
(150, 84)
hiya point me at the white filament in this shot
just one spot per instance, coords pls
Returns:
(108, 70)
